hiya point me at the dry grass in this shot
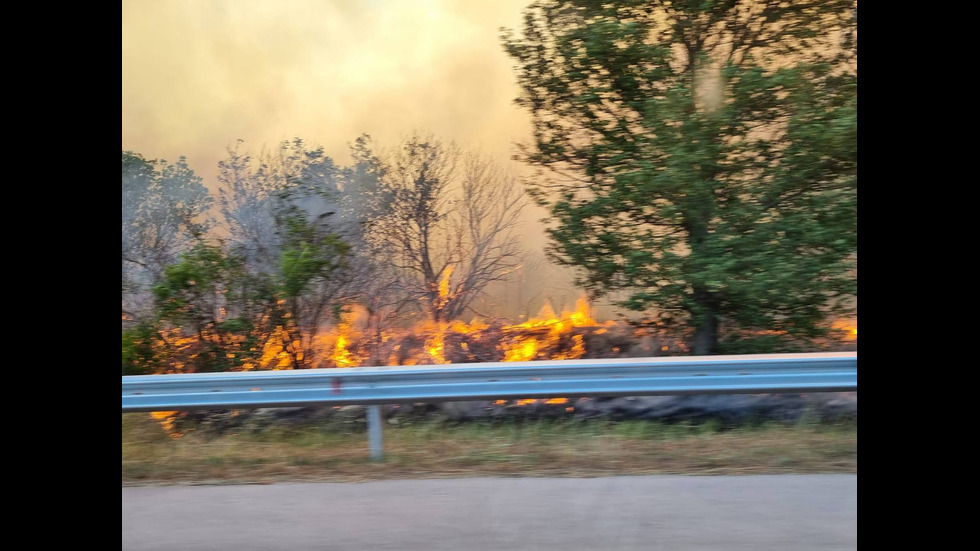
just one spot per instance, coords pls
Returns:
(433, 450)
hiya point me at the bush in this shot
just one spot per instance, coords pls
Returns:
(138, 353)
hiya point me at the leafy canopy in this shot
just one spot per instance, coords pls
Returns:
(700, 157)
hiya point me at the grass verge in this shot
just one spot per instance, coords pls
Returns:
(513, 448)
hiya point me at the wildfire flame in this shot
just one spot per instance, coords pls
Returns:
(274, 354)
(444, 287)
(338, 341)
(849, 327)
(547, 336)
(435, 344)
(166, 419)
(526, 348)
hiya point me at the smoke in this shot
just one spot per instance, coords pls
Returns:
(198, 76)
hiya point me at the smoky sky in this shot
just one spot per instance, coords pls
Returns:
(198, 75)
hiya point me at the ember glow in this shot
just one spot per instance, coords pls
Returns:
(340, 339)
(545, 332)
(849, 327)
(166, 419)
(274, 353)
(547, 336)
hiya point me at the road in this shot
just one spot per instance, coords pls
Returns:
(669, 513)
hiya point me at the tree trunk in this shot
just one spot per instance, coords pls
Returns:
(706, 336)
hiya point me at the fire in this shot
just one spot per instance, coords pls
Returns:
(339, 340)
(528, 401)
(341, 356)
(552, 328)
(274, 353)
(523, 351)
(467, 328)
(849, 327)
(166, 419)
(577, 350)
(435, 344)
(547, 336)
(352, 342)
(444, 286)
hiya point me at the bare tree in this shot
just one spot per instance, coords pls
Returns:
(443, 222)
(246, 197)
(485, 230)
(163, 213)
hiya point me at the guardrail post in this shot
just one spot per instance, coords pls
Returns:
(374, 432)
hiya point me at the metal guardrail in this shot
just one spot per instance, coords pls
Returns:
(766, 373)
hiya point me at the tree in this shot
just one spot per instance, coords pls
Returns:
(164, 208)
(363, 202)
(203, 299)
(140, 353)
(699, 154)
(441, 220)
(279, 217)
(260, 196)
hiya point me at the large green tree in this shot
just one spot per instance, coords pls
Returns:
(698, 156)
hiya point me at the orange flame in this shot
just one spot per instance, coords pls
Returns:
(444, 286)
(523, 351)
(339, 340)
(274, 353)
(435, 345)
(849, 327)
(528, 347)
(166, 419)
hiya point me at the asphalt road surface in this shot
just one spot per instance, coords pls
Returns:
(670, 513)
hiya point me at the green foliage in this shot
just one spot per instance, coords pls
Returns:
(280, 210)
(307, 257)
(236, 325)
(703, 155)
(139, 353)
(191, 290)
(199, 298)
(757, 344)
(224, 314)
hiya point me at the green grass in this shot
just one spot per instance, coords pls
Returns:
(501, 448)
